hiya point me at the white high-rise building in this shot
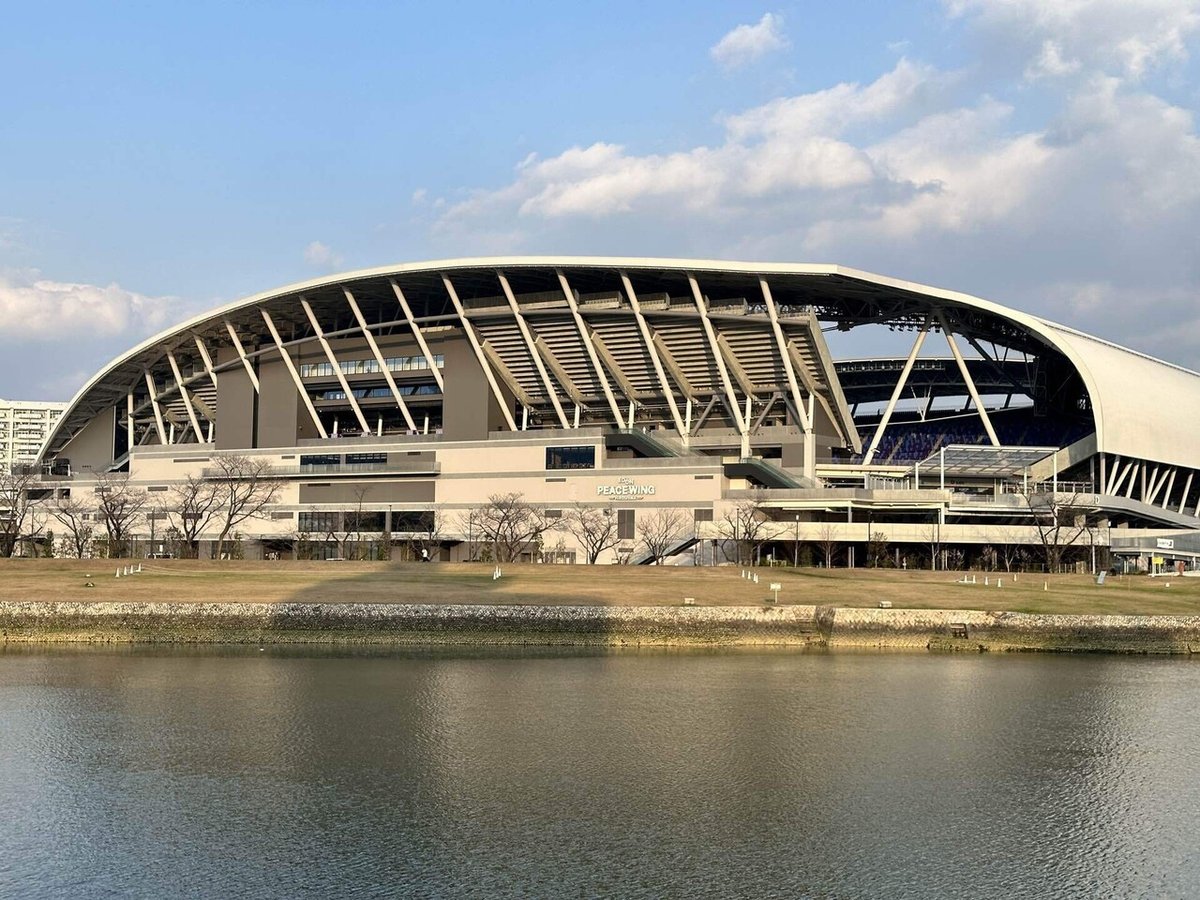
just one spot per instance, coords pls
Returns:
(24, 427)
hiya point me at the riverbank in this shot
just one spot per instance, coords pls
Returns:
(190, 581)
(802, 626)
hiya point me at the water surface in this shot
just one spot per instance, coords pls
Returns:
(286, 773)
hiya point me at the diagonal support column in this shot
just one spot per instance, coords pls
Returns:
(241, 352)
(523, 327)
(158, 416)
(974, 391)
(208, 363)
(896, 392)
(652, 351)
(383, 367)
(586, 338)
(291, 367)
(1170, 487)
(187, 400)
(731, 397)
(1187, 488)
(416, 330)
(781, 345)
(481, 358)
(336, 366)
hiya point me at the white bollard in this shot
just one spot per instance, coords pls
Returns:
(118, 571)
(756, 578)
(998, 580)
(1045, 586)
(985, 581)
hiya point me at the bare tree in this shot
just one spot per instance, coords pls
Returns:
(246, 490)
(594, 527)
(828, 542)
(430, 537)
(16, 507)
(119, 506)
(745, 524)
(189, 509)
(877, 549)
(659, 532)
(354, 524)
(511, 525)
(1059, 523)
(933, 537)
(75, 516)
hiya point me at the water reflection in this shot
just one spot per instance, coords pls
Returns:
(289, 772)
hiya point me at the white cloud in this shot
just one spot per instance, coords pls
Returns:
(322, 256)
(748, 43)
(1082, 205)
(772, 153)
(32, 307)
(1050, 63)
(1128, 38)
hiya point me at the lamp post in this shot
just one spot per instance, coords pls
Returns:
(796, 546)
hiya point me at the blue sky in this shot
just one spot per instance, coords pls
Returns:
(159, 159)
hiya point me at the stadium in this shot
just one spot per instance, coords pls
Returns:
(693, 407)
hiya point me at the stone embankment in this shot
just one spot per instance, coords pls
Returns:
(797, 626)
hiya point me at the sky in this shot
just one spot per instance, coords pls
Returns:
(160, 159)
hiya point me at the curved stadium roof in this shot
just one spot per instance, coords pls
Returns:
(1143, 407)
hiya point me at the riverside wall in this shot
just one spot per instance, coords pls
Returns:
(795, 626)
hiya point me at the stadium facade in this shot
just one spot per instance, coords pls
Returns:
(403, 398)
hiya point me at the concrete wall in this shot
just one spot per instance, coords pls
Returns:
(279, 406)
(237, 405)
(469, 410)
(92, 447)
(376, 492)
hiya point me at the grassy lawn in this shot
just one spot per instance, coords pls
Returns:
(348, 582)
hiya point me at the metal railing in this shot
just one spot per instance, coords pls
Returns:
(400, 467)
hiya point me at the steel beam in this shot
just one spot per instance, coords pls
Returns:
(538, 364)
(715, 349)
(416, 330)
(896, 392)
(473, 340)
(585, 337)
(781, 344)
(618, 373)
(652, 351)
(379, 358)
(1187, 487)
(187, 400)
(208, 363)
(291, 367)
(974, 392)
(336, 366)
(1170, 487)
(241, 352)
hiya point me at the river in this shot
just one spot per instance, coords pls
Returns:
(299, 773)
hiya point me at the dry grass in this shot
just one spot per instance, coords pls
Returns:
(347, 582)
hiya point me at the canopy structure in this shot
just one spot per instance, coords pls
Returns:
(688, 349)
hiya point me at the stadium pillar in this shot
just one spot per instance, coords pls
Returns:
(971, 389)
(382, 363)
(534, 355)
(586, 338)
(652, 351)
(895, 398)
(702, 308)
(806, 415)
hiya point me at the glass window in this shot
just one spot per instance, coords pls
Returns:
(570, 457)
(626, 524)
(359, 458)
(320, 459)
